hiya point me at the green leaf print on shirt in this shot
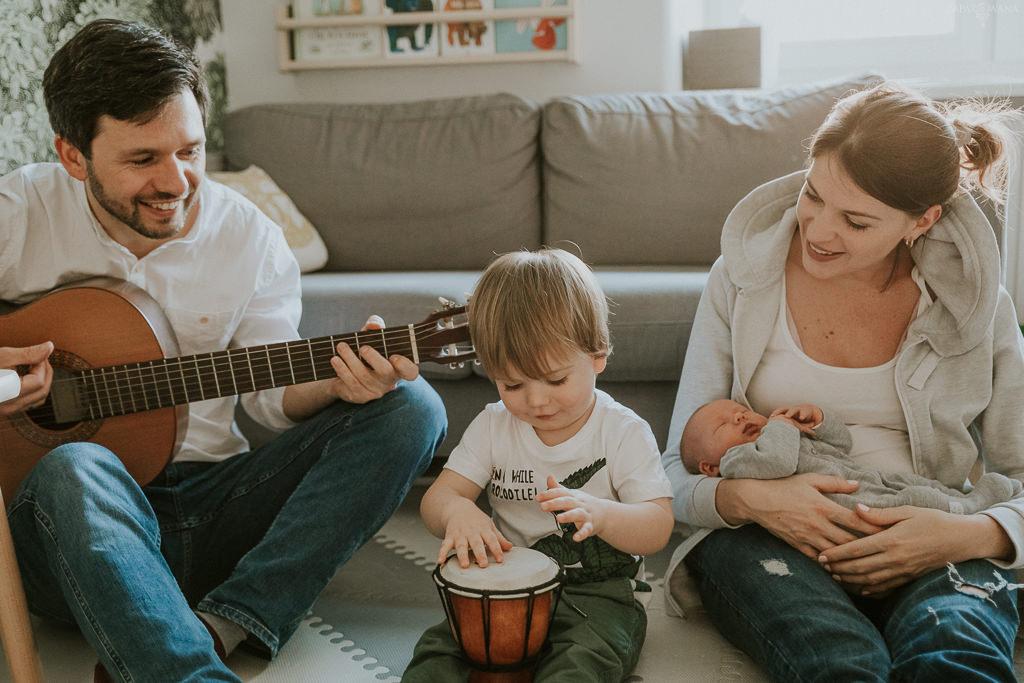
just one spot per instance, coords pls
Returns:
(591, 559)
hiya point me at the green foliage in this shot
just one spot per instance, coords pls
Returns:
(217, 81)
(189, 21)
(32, 30)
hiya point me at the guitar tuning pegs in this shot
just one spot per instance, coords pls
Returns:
(446, 303)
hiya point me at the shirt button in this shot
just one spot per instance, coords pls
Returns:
(204, 319)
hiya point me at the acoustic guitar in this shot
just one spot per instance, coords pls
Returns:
(118, 381)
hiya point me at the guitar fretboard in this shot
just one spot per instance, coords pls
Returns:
(136, 387)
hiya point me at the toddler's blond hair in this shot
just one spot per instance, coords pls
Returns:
(533, 306)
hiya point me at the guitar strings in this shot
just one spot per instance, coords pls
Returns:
(255, 355)
(279, 360)
(264, 363)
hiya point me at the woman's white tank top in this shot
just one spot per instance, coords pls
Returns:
(864, 398)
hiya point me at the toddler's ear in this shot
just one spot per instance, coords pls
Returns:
(600, 363)
(707, 468)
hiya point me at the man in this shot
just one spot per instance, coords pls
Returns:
(225, 545)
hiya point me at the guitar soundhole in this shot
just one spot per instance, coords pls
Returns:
(39, 425)
(44, 418)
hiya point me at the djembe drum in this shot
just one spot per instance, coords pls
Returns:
(500, 614)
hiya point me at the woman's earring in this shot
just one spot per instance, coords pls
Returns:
(909, 241)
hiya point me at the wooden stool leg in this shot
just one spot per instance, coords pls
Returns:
(15, 625)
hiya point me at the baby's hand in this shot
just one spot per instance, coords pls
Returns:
(473, 531)
(804, 417)
(582, 509)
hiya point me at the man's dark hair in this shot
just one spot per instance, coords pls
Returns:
(120, 69)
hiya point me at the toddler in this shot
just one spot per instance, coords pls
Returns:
(554, 446)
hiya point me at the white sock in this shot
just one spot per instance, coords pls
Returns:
(230, 633)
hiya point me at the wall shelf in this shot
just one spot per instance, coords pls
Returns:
(286, 26)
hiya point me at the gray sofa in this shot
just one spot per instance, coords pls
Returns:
(414, 199)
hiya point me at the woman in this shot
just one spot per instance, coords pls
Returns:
(868, 283)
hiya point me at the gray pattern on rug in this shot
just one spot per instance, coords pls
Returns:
(363, 627)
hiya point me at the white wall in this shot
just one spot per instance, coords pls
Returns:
(624, 45)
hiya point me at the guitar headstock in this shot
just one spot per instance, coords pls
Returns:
(443, 336)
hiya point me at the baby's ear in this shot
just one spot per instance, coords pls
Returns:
(708, 468)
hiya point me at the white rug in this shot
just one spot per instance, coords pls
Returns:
(364, 626)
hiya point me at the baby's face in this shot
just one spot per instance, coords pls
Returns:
(726, 424)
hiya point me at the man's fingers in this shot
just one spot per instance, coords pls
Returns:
(31, 355)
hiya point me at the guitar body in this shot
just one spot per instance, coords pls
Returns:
(93, 323)
(117, 381)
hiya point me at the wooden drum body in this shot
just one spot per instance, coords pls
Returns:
(500, 614)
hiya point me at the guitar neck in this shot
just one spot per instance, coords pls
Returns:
(136, 387)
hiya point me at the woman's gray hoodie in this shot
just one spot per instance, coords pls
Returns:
(959, 374)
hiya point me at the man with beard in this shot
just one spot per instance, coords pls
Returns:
(226, 545)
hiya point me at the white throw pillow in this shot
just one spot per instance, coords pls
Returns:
(259, 188)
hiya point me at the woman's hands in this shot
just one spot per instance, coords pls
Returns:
(795, 510)
(913, 542)
(873, 550)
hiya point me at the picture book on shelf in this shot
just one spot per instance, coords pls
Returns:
(467, 37)
(533, 34)
(339, 43)
(410, 41)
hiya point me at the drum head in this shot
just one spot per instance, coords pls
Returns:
(522, 568)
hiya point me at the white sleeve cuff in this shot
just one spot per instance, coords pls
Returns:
(1011, 521)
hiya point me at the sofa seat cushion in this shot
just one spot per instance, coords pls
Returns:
(652, 310)
(338, 303)
(433, 184)
(648, 178)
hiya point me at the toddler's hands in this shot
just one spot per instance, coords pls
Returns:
(804, 417)
(582, 509)
(472, 531)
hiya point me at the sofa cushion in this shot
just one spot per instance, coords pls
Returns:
(648, 178)
(337, 303)
(434, 184)
(255, 185)
(652, 309)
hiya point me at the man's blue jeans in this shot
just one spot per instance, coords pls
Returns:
(253, 538)
(798, 624)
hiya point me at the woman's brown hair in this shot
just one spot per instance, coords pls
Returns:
(911, 152)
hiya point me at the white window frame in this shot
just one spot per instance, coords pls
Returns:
(988, 62)
(1013, 231)
(989, 59)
